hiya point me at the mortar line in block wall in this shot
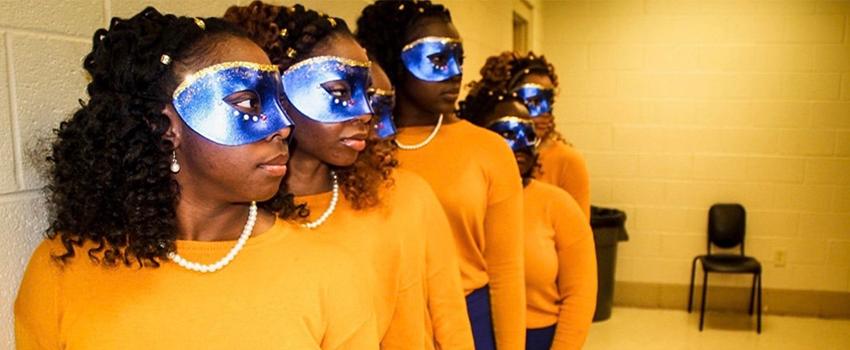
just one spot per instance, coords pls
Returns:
(21, 195)
(107, 12)
(13, 113)
(48, 35)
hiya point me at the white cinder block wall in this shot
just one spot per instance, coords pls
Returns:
(42, 44)
(680, 104)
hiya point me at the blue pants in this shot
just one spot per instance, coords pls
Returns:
(539, 338)
(478, 309)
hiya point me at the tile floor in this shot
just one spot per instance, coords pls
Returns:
(632, 328)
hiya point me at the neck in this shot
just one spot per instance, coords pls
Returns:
(307, 175)
(409, 114)
(201, 219)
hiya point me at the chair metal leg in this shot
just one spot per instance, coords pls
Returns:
(702, 308)
(753, 294)
(691, 293)
(758, 312)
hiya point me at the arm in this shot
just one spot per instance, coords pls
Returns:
(504, 247)
(576, 275)
(36, 308)
(407, 322)
(576, 180)
(349, 311)
(446, 302)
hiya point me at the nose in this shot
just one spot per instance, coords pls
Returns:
(363, 118)
(281, 134)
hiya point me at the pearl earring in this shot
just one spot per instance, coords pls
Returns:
(175, 167)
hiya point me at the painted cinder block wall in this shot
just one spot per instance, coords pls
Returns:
(680, 104)
(43, 43)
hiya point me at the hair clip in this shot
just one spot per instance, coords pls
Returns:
(165, 59)
(101, 37)
(200, 23)
(284, 32)
(401, 7)
(332, 21)
(290, 52)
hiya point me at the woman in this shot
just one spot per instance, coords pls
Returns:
(152, 181)
(532, 79)
(560, 259)
(469, 168)
(445, 304)
(342, 172)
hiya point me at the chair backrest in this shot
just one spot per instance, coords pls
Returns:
(726, 226)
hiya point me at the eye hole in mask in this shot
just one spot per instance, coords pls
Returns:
(232, 103)
(536, 98)
(433, 58)
(328, 89)
(383, 103)
(519, 133)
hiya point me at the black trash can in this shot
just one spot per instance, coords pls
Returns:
(609, 228)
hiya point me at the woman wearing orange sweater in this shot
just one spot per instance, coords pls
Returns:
(560, 261)
(341, 170)
(470, 169)
(163, 231)
(532, 79)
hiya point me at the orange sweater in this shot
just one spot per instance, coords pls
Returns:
(281, 291)
(406, 242)
(560, 265)
(563, 166)
(475, 176)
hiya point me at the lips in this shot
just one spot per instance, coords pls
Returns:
(275, 166)
(356, 142)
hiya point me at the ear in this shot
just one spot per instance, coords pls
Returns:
(175, 131)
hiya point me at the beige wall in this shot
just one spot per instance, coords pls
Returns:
(681, 104)
(42, 45)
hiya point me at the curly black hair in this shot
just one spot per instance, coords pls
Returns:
(502, 73)
(289, 35)
(383, 27)
(108, 178)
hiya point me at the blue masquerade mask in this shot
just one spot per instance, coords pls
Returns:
(519, 133)
(328, 89)
(433, 58)
(383, 103)
(201, 101)
(536, 98)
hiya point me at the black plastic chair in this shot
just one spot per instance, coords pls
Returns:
(726, 227)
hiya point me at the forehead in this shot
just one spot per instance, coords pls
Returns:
(340, 45)
(238, 49)
(380, 80)
(510, 107)
(538, 78)
(431, 26)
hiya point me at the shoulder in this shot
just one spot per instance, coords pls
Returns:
(560, 150)
(556, 197)
(406, 181)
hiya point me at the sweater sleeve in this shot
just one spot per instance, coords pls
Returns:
(37, 307)
(576, 275)
(576, 180)
(446, 302)
(407, 322)
(503, 251)
(349, 310)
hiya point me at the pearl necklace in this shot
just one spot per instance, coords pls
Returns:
(334, 199)
(423, 143)
(218, 265)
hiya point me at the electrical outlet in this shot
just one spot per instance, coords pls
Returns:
(780, 257)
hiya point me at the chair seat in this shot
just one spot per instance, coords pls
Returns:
(729, 263)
